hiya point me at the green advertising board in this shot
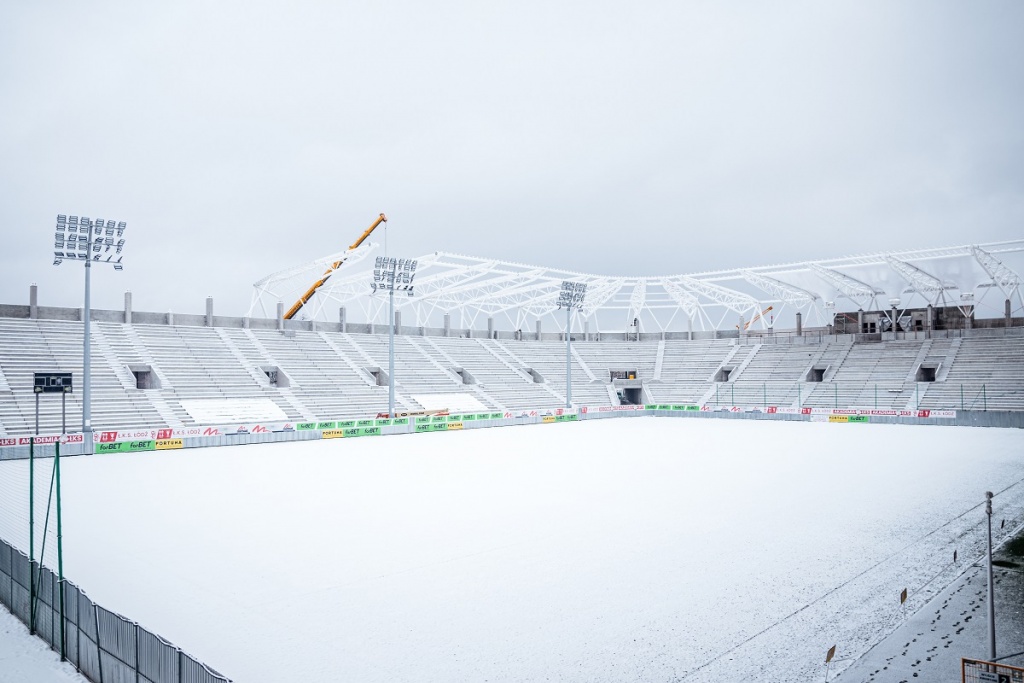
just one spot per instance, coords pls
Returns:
(382, 423)
(126, 447)
(305, 426)
(326, 425)
(362, 431)
(365, 423)
(858, 418)
(345, 424)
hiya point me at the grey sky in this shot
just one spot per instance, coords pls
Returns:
(238, 138)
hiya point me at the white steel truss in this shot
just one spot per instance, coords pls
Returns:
(516, 294)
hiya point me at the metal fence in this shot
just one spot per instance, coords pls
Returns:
(104, 646)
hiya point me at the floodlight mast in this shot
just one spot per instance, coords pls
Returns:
(389, 273)
(570, 297)
(70, 244)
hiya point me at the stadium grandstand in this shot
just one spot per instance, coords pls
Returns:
(930, 329)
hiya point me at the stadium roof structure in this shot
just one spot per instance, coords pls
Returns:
(474, 289)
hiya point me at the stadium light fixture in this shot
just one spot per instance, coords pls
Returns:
(91, 241)
(391, 274)
(570, 297)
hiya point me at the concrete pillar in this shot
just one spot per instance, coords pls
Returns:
(209, 311)
(1007, 313)
(33, 301)
(929, 321)
(280, 315)
(128, 307)
(398, 322)
(586, 330)
(538, 329)
(490, 328)
(742, 328)
(245, 323)
(969, 321)
(170, 318)
(860, 320)
(689, 327)
(799, 324)
(894, 314)
(447, 324)
(342, 322)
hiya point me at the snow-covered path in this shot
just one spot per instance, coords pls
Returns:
(616, 550)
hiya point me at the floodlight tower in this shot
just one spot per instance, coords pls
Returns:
(82, 239)
(570, 297)
(390, 274)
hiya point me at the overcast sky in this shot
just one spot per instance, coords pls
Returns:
(619, 138)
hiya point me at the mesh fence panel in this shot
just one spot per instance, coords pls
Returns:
(104, 646)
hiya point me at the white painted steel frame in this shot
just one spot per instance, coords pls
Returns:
(516, 294)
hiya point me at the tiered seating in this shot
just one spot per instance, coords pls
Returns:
(329, 376)
(321, 379)
(871, 376)
(987, 374)
(29, 346)
(687, 368)
(510, 388)
(544, 357)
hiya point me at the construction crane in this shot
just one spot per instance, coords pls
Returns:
(753, 320)
(334, 266)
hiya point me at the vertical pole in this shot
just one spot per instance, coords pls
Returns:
(63, 413)
(961, 397)
(984, 397)
(835, 386)
(876, 397)
(917, 395)
(568, 357)
(87, 354)
(391, 347)
(716, 394)
(733, 388)
(32, 531)
(991, 597)
(799, 400)
(764, 393)
(60, 556)
(37, 415)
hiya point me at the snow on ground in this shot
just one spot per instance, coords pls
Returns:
(27, 659)
(616, 550)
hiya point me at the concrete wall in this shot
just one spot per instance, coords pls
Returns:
(809, 335)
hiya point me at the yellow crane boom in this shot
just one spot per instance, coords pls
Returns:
(757, 317)
(334, 266)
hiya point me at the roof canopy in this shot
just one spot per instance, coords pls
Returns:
(515, 294)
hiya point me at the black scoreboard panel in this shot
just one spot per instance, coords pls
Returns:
(52, 383)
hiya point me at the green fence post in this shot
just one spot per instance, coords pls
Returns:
(60, 558)
(31, 534)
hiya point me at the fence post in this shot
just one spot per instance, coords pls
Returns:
(60, 558)
(764, 391)
(835, 386)
(984, 397)
(99, 648)
(136, 653)
(961, 397)
(31, 536)
(876, 397)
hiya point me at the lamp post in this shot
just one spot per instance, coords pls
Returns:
(570, 297)
(82, 239)
(390, 274)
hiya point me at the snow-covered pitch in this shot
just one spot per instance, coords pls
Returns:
(649, 549)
